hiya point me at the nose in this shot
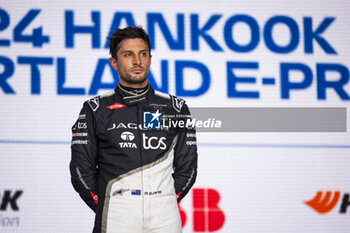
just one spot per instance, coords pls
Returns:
(137, 60)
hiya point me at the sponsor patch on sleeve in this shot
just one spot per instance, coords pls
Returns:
(94, 103)
(75, 142)
(177, 103)
(80, 134)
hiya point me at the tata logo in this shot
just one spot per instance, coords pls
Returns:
(151, 120)
(325, 202)
(153, 143)
(127, 136)
(127, 145)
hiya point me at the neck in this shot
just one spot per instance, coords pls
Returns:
(132, 85)
(131, 91)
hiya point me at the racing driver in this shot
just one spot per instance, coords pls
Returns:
(126, 165)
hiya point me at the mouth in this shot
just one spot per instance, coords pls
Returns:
(137, 70)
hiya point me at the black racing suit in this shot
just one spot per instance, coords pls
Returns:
(129, 166)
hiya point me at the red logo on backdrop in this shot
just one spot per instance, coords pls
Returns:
(183, 216)
(324, 202)
(116, 105)
(207, 216)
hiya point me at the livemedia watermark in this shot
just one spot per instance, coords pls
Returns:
(269, 119)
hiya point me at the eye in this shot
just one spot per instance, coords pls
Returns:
(144, 54)
(127, 54)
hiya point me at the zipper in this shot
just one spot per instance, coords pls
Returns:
(140, 152)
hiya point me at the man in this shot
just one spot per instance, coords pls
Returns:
(128, 167)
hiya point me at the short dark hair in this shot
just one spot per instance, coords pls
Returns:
(126, 33)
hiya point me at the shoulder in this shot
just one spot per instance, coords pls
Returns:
(95, 102)
(175, 102)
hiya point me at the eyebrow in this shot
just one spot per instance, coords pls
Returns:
(129, 51)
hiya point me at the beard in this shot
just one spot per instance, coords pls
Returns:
(133, 79)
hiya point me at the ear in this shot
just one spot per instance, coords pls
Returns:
(114, 63)
(150, 59)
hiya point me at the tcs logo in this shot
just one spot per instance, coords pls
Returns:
(207, 216)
